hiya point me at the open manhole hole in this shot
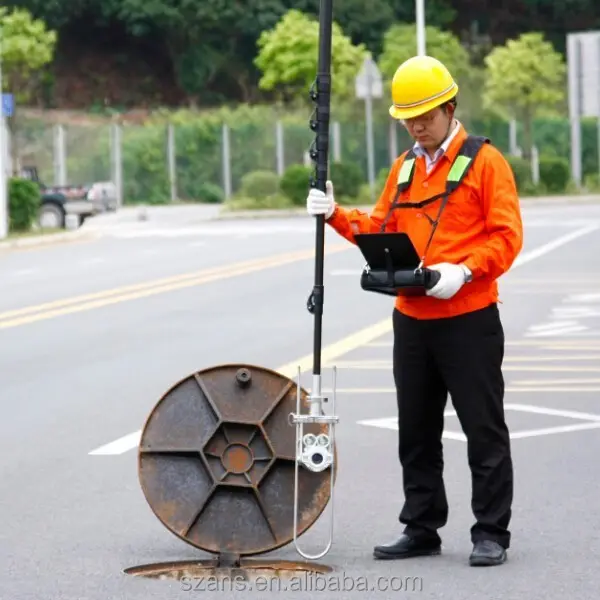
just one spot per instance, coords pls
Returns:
(251, 571)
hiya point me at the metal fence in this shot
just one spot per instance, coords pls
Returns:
(158, 163)
(174, 159)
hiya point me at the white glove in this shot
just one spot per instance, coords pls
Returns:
(318, 203)
(452, 278)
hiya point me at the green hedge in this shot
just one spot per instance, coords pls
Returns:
(24, 199)
(252, 147)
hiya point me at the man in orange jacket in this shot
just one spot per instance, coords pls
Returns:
(450, 340)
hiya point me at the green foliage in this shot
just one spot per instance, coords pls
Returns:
(381, 179)
(210, 193)
(259, 190)
(277, 201)
(207, 41)
(206, 48)
(524, 78)
(555, 173)
(252, 136)
(26, 47)
(288, 54)
(347, 177)
(295, 183)
(400, 44)
(521, 168)
(592, 183)
(24, 200)
(259, 184)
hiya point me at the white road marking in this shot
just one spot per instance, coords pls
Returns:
(386, 365)
(566, 344)
(25, 272)
(557, 330)
(556, 381)
(515, 389)
(243, 230)
(92, 261)
(544, 249)
(127, 442)
(337, 349)
(346, 273)
(392, 422)
(583, 298)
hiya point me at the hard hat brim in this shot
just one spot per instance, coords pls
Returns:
(410, 112)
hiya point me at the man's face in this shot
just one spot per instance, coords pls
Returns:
(430, 129)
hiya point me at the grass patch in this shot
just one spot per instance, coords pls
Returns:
(275, 201)
(13, 235)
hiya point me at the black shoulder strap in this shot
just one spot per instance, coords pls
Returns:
(460, 167)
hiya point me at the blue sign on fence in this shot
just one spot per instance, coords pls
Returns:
(8, 105)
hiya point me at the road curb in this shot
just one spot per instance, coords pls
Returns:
(526, 201)
(47, 240)
(259, 214)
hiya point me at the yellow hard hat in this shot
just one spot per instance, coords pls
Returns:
(420, 84)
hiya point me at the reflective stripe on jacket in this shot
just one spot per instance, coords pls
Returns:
(481, 226)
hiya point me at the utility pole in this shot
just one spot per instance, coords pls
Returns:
(369, 85)
(3, 177)
(420, 14)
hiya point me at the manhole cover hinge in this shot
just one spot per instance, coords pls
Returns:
(228, 560)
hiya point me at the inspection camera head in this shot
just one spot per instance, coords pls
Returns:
(316, 453)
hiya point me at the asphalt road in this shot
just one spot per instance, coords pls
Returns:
(93, 333)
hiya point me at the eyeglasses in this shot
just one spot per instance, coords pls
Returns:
(426, 119)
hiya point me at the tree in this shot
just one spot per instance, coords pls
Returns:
(207, 41)
(400, 43)
(288, 56)
(524, 78)
(27, 46)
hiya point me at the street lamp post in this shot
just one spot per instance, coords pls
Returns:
(420, 14)
(3, 177)
(369, 85)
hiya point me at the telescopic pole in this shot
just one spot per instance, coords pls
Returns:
(321, 96)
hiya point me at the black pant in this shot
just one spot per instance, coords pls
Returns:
(461, 356)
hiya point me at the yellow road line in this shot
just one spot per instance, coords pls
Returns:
(330, 352)
(49, 310)
(333, 351)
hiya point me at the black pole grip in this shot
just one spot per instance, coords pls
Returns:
(321, 95)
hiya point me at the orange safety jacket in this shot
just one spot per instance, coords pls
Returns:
(480, 227)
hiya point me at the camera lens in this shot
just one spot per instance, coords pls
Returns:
(317, 458)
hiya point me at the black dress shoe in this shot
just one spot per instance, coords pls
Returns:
(487, 554)
(407, 547)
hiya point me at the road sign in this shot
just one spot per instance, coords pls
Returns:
(584, 73)
(8, 105)
(368, 81)
(583, 57)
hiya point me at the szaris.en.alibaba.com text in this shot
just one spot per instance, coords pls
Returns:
(304, 582)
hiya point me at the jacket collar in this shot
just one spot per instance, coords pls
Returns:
(449, 148)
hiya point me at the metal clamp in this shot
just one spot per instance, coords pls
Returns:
(316, 453)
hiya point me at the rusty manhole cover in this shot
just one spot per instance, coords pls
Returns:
(201, 575)
(217, 461)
